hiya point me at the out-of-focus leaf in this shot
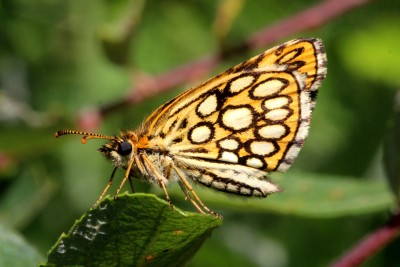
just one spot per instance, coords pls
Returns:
(228, 11)
(15, 251)
(135, 230)
(311, 195)
(15, 141)
(392, 152)
(26, 197)
(375, 58)
(117, 32)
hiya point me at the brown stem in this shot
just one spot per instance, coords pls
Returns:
(371, 244)
(307, 19)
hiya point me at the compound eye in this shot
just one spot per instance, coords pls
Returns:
(124, 148)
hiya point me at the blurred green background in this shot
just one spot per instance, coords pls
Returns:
(60, 59)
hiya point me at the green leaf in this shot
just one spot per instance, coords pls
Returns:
(379, 56)
(15, 251)
(311, 195)
(391, 151)
(135, 230)
(119, 28)
(26, 197)
(316, 195)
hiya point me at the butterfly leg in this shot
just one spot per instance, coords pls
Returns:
(187, 196)
(153, 171)
(138, 163)
(185, 185)
(135, 159)
(168, 174)
(127, 173)
(107, 187)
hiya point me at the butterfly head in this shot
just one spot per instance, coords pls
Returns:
(118, 150)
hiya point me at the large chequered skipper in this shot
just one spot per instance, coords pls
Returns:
(228, 132)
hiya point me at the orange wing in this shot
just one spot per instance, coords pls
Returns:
(255, 114)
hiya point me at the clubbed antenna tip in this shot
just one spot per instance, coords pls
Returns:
(86, 135)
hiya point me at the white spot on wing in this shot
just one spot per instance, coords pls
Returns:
(232, 188)
(268, 88)
(208, 105)
(261, 148)
(229, 157)
(254, 162)
(237, 118)
(244, 191)
(206, 179)
(277, 114)
(229, 144)
(200, 134)
(272, 131)
(241, 83)
(277, 102)
(218, 184)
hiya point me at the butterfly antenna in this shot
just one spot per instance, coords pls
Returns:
(86, 135)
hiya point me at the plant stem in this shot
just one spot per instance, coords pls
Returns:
(370, 244)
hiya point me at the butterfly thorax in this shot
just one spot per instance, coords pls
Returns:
(129, 146)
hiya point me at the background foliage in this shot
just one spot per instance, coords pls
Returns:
(60, 59)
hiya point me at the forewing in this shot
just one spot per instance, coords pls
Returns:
(255, 115)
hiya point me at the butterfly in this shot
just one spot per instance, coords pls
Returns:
(229, 132)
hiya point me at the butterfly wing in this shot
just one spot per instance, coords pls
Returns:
(230, 131)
